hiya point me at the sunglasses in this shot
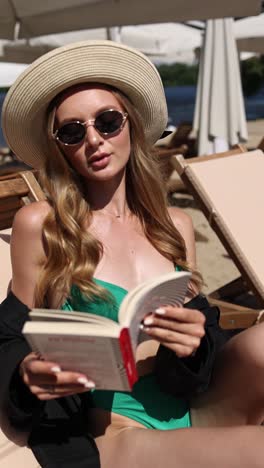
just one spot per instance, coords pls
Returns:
(108, 122)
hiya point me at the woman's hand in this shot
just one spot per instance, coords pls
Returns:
(178, 328)
(47, 381)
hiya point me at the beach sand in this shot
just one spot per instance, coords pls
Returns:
(213, 262)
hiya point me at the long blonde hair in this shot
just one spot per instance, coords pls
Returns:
(72, 252)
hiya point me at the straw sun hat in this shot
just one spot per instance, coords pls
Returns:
(24, 115)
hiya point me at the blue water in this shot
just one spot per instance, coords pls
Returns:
(181, 101)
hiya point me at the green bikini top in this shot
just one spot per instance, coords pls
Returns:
(98, 305)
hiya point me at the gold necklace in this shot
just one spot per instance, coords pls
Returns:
(110, 213)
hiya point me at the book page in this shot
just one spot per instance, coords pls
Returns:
(57, 315)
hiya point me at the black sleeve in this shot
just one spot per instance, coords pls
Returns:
(17, 404)
(185, 377)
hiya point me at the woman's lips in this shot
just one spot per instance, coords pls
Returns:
(100, 161)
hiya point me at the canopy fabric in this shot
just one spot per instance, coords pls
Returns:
(27, 18)
(168, 42)
(249, 33)
(9, 73)
(219, 118)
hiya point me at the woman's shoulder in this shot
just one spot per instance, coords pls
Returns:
(181, 220)
(183, 223)
(30, 218)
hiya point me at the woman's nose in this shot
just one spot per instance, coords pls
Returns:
(93, 137)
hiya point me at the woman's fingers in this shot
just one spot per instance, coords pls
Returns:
(181, 314)
(180, 350)
(192, 329)
(48, 392)
(46, 379)
(177, 328)
(185, 321)
(170, 336)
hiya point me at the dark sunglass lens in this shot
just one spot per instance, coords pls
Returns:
(109, 121)
(71, 133)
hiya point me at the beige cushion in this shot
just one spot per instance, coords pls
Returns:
(12, 456)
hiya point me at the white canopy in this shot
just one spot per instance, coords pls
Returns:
(249, 33)
(168, 42)
(9, 72)
(27, 18)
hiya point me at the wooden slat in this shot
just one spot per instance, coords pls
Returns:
(7, 222)
(13, 187)
(10, 203)
(233, 315)
(234, 319)
(17, 190)
(35, 191)
(237, 149)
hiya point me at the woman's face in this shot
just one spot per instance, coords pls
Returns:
(97, 156)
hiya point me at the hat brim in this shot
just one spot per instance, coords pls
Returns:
(24, 114)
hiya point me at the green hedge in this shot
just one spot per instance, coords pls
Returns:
(179, 74)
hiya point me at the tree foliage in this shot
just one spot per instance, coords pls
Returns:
(252, 73)
(179, 74)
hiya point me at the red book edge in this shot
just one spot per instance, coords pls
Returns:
(128, 357)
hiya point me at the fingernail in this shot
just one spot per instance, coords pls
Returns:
(85, 382)
(55, 369)
(160, 311)
(89, 385)
(148, 321)
(82, 380)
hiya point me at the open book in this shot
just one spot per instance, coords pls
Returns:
(97, 346)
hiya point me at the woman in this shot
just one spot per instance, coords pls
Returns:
(87, 115)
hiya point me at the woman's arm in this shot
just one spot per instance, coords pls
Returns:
(44, 379)
(17, 403)
(27, 252)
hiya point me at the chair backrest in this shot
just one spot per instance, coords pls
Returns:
(230, 190)
(261, 145)
(181, 134)
(16, 190)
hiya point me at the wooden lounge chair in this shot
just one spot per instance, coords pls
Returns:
(174, 182)
(15, 191)
(181, 135)
(229, 189)
(164, 156)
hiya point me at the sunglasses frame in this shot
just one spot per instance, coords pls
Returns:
(91, 123)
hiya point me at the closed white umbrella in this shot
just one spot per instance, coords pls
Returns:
(219, 118)
(28, 18)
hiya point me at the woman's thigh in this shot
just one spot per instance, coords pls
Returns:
(183, 448)
(236, 392)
